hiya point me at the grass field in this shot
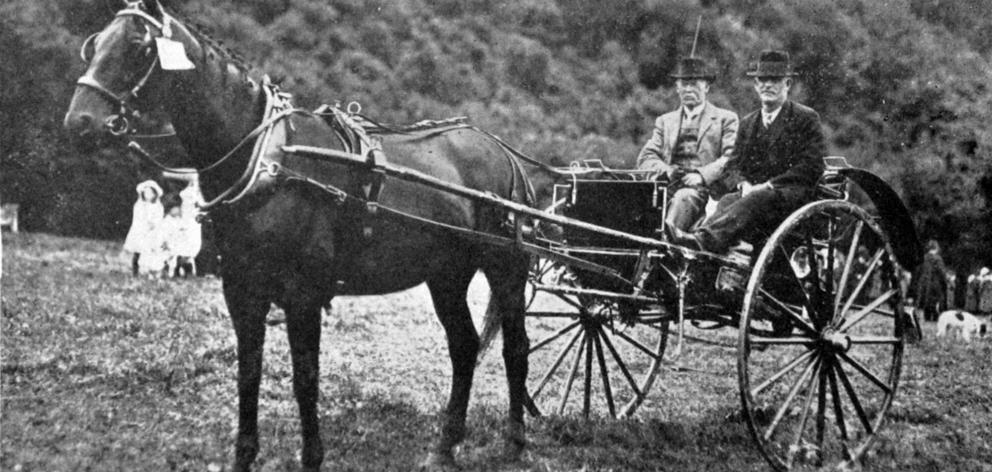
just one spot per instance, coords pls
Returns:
(103, 371)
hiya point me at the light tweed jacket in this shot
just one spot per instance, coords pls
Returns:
(717, 135)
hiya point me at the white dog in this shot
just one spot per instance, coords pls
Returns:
(961, 321)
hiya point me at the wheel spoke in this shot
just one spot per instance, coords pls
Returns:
(875, 260)
(781, 341)
(790, 397)
(854, 398)
(831, 254)
(565, 298)
(587, 386)
(785, 370)
(864, 371)
(835, 395)
(821, 408)
(816, 297)
(554, 336)
(620, 363)
(867, 310)
(567, 387)
(851, 258)
(555, 365)
(805, 412)
(605, 373)
(874, 340)
(794, 315)
(637, 344)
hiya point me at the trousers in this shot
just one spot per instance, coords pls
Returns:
(752, 217)
(687, 206)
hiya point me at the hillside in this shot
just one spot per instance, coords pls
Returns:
(902, 85)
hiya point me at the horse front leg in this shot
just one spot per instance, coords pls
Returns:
(248, 317)
(303, 330)
(449, 295)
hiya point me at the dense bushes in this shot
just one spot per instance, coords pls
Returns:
(902, 85)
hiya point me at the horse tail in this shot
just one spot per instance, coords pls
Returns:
(491, 323)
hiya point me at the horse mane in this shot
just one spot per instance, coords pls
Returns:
(203, 34)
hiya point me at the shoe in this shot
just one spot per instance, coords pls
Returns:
(682, 238)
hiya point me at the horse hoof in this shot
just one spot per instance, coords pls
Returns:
(514, 441)
(512, 451)
(437, 462)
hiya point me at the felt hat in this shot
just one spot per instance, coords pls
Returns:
(693, 68)
(772, 63)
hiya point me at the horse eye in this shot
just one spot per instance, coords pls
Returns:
(88, 48)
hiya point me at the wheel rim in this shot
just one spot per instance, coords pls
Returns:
(588, 359)
(816, 388)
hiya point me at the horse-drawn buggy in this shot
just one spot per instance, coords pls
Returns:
(308, 205)
(816, 305)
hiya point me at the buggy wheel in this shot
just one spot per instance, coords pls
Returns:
(817, 392)
(591, 355)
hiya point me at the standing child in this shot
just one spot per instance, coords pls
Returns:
(192, 231)
(143, 237)
(173, 240)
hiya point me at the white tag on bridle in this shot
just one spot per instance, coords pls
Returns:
(172, 55)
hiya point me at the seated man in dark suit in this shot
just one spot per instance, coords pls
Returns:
(775, 165)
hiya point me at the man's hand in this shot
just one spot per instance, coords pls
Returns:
(692, 179)
(747, 188)
(672, 174)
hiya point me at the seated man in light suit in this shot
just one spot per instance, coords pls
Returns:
(691, 145)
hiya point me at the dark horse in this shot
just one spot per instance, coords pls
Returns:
(286, 239)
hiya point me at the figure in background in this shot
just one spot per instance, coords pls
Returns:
(971, 294)
(174, 236)
(691, 145)
(188, 248)
(984, 291)
(930, 283)
(143, 237)
(952, 286)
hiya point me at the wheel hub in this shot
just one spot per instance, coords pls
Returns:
(835, 340)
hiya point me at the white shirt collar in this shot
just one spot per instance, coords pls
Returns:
(691, 115)
(769, 117)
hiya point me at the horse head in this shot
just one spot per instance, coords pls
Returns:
(130, 62)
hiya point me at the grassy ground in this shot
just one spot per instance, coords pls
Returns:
(104, 371)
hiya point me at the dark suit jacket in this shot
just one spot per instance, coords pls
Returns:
(790, 152)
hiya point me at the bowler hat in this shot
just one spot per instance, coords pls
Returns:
(772, 63)
(693, 68)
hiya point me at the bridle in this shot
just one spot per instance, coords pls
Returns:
(119, 124)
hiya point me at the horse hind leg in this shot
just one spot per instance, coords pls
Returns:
(507, 281)
(303, 331)
(248, 317)
(449, 295)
